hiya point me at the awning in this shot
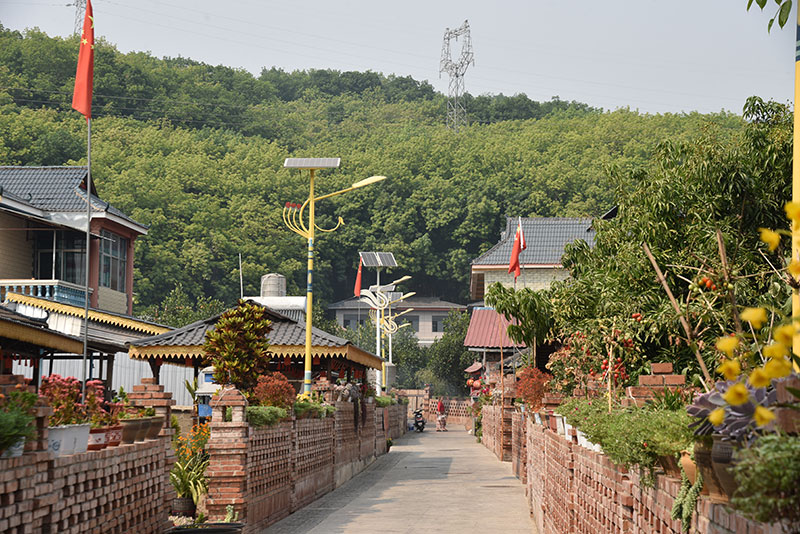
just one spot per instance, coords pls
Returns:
(474, 368)
(27, 332)
(489, 330)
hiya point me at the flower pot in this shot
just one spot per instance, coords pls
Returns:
(183, 506)
(80, 434)
(670, 466)
(722, 460)
(156, 424)
(130, 427)
(711, 484)
(689, 466)
(582, 441)
(144, 426)
(113, 435)
(97, 439)
(15, 450)
(56, 440)
(209, 528)
(537, 418)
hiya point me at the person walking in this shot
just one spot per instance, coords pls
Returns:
(441, 417)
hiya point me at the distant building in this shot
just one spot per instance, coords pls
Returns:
(540, 262)
(427, 319)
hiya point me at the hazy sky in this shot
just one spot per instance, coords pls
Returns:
(655, 56)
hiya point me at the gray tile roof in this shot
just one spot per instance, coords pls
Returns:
(56, 189)
(545, 238)
(285, 331)
(418, 303)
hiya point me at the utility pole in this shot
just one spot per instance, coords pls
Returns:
(80, 7)
(456, 113)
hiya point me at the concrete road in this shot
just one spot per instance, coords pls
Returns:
(431, 482)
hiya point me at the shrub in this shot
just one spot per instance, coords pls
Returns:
(259, 416)
(531, 387)
(303, 409)
(383, 402)
(768, 474)
(274, 390)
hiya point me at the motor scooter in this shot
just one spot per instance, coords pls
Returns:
(419, 420)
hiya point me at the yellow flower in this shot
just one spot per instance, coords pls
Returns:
(763, 416)
(778, 368)
(770, 237)
(727, 344)
(755, 316)
(784, 334)
(794, 268)
(775, 350)
(730, 369)
(793, 211)
(716, 416)
(759, 378)
(737, 394)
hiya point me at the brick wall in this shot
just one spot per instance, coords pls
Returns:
(497, 429)
(573, 489)
(268, 473)
(519, 447)
(458, 411)
(119, 489)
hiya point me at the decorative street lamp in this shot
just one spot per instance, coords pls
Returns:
(378, 298)
(294, 218)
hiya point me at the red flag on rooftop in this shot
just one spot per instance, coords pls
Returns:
(84, 77)
(519, 246)
(357, 288)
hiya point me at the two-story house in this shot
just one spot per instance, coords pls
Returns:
(43, 239)
(426, 319)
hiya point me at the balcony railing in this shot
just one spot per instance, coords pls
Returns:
(56, 290)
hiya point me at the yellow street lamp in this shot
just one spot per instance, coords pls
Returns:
(294, 218)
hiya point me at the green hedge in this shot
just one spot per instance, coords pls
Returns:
(265, 415)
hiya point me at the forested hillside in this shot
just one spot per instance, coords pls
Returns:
(196, 152)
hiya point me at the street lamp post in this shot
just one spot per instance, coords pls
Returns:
(294, 218)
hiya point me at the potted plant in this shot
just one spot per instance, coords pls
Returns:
(130, 417)
(17, 418)
(156, 423)
(68, 430)
(98, 416)
(188, 478)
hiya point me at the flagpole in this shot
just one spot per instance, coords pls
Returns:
(86, 263)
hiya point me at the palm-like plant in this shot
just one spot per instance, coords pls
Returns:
(188, 477)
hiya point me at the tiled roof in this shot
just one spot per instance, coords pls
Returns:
(54, 189)
(484, 332)
(545, 238)
(418, 303)
(285, 331)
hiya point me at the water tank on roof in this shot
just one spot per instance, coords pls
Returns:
(273, 285)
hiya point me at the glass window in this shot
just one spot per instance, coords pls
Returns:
(113, 260)
(437, 324)
(352, 320)
(70, 256)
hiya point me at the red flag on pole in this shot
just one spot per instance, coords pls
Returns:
(84, 77)
(519, 246)
(357, 288)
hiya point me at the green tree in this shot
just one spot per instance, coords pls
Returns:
(238, 346)
(179, 309)
(448, 357)
(529, 311)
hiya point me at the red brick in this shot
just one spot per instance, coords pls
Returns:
(651, 380)
(674, 380)
(661, 368)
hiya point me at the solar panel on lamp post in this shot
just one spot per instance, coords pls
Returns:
(294, 218)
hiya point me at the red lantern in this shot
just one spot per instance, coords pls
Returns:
(470, 382)
(476, 384)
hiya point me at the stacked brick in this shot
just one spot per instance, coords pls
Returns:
(267, 473)
(313, 460)
(381, 430)
(603, 500)
(458, 411)
(558, 485)
(574, 489)
(119, 489)
(519, 449)
(398, 420)
(661, 378)
(490, 427)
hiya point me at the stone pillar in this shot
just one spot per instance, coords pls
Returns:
(151, 394)
(227, 448)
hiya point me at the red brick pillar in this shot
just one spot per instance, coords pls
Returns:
(227, 448)
(150, 394)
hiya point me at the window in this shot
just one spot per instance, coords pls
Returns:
(69, 256)
(113, 261)
(437, 323)
(352, 320)
(413, 320)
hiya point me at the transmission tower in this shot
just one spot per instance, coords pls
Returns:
(80, 8)
(456, 114)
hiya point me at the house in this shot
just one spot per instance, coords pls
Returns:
(43, 234)
(540, 262)
(42, 275)
(426, 319)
